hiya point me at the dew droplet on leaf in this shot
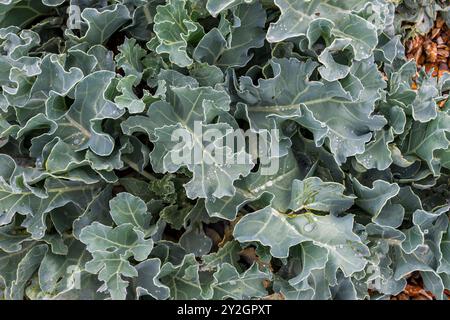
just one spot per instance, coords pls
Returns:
(309, 227)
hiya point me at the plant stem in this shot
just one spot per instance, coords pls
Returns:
(135, 167)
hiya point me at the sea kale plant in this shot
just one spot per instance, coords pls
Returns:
(100, 100)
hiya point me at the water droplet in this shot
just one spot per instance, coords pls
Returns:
(233, 283)
(39, 162)
(315, 218)
(341, 246)
(425, 231)
(269, 183)
(309, 227)
(76, 141)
